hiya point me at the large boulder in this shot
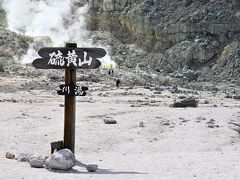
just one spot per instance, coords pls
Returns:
(187, 102)
(63, 159)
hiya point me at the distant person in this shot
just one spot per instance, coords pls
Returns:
(117, 83)
(110, 71)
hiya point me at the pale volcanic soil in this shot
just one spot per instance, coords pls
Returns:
(173, 144)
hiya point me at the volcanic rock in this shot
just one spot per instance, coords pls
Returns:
(91, 167)
(24, 157)
(109, 120)
(187, 102)
(63, 159)
(36, 163)
(10, 155)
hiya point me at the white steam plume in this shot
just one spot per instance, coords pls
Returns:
(38, 18)
(52, 18)
(60, 20)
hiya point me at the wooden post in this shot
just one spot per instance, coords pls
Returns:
(57, 145)
(59, 58)
(70, 108)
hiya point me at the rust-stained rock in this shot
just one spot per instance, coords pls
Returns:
(10, 155)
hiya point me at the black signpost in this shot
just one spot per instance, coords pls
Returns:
(69, 58)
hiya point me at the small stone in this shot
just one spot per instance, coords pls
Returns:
(166, 124)
(109, 120)
(211, 125)
(24, 157)
(185, 120)
(211, 121)
(36, 163)
(92, 167)
(9, 155)
(61, 105)
(199, 118)
(135, 105)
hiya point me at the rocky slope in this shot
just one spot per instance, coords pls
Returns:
(172, 36)
(11, 44)
(191, 39)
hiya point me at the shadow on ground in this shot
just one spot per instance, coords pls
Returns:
(99, 171)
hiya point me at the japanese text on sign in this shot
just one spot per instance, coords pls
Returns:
(72, 90)
(71, 59)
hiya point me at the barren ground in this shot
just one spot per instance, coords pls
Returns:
(174, 144)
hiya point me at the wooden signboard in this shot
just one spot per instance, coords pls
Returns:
(72, 90)
(69, 58)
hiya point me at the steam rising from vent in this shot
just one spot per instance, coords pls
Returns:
(59, 20)
(49, 22)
